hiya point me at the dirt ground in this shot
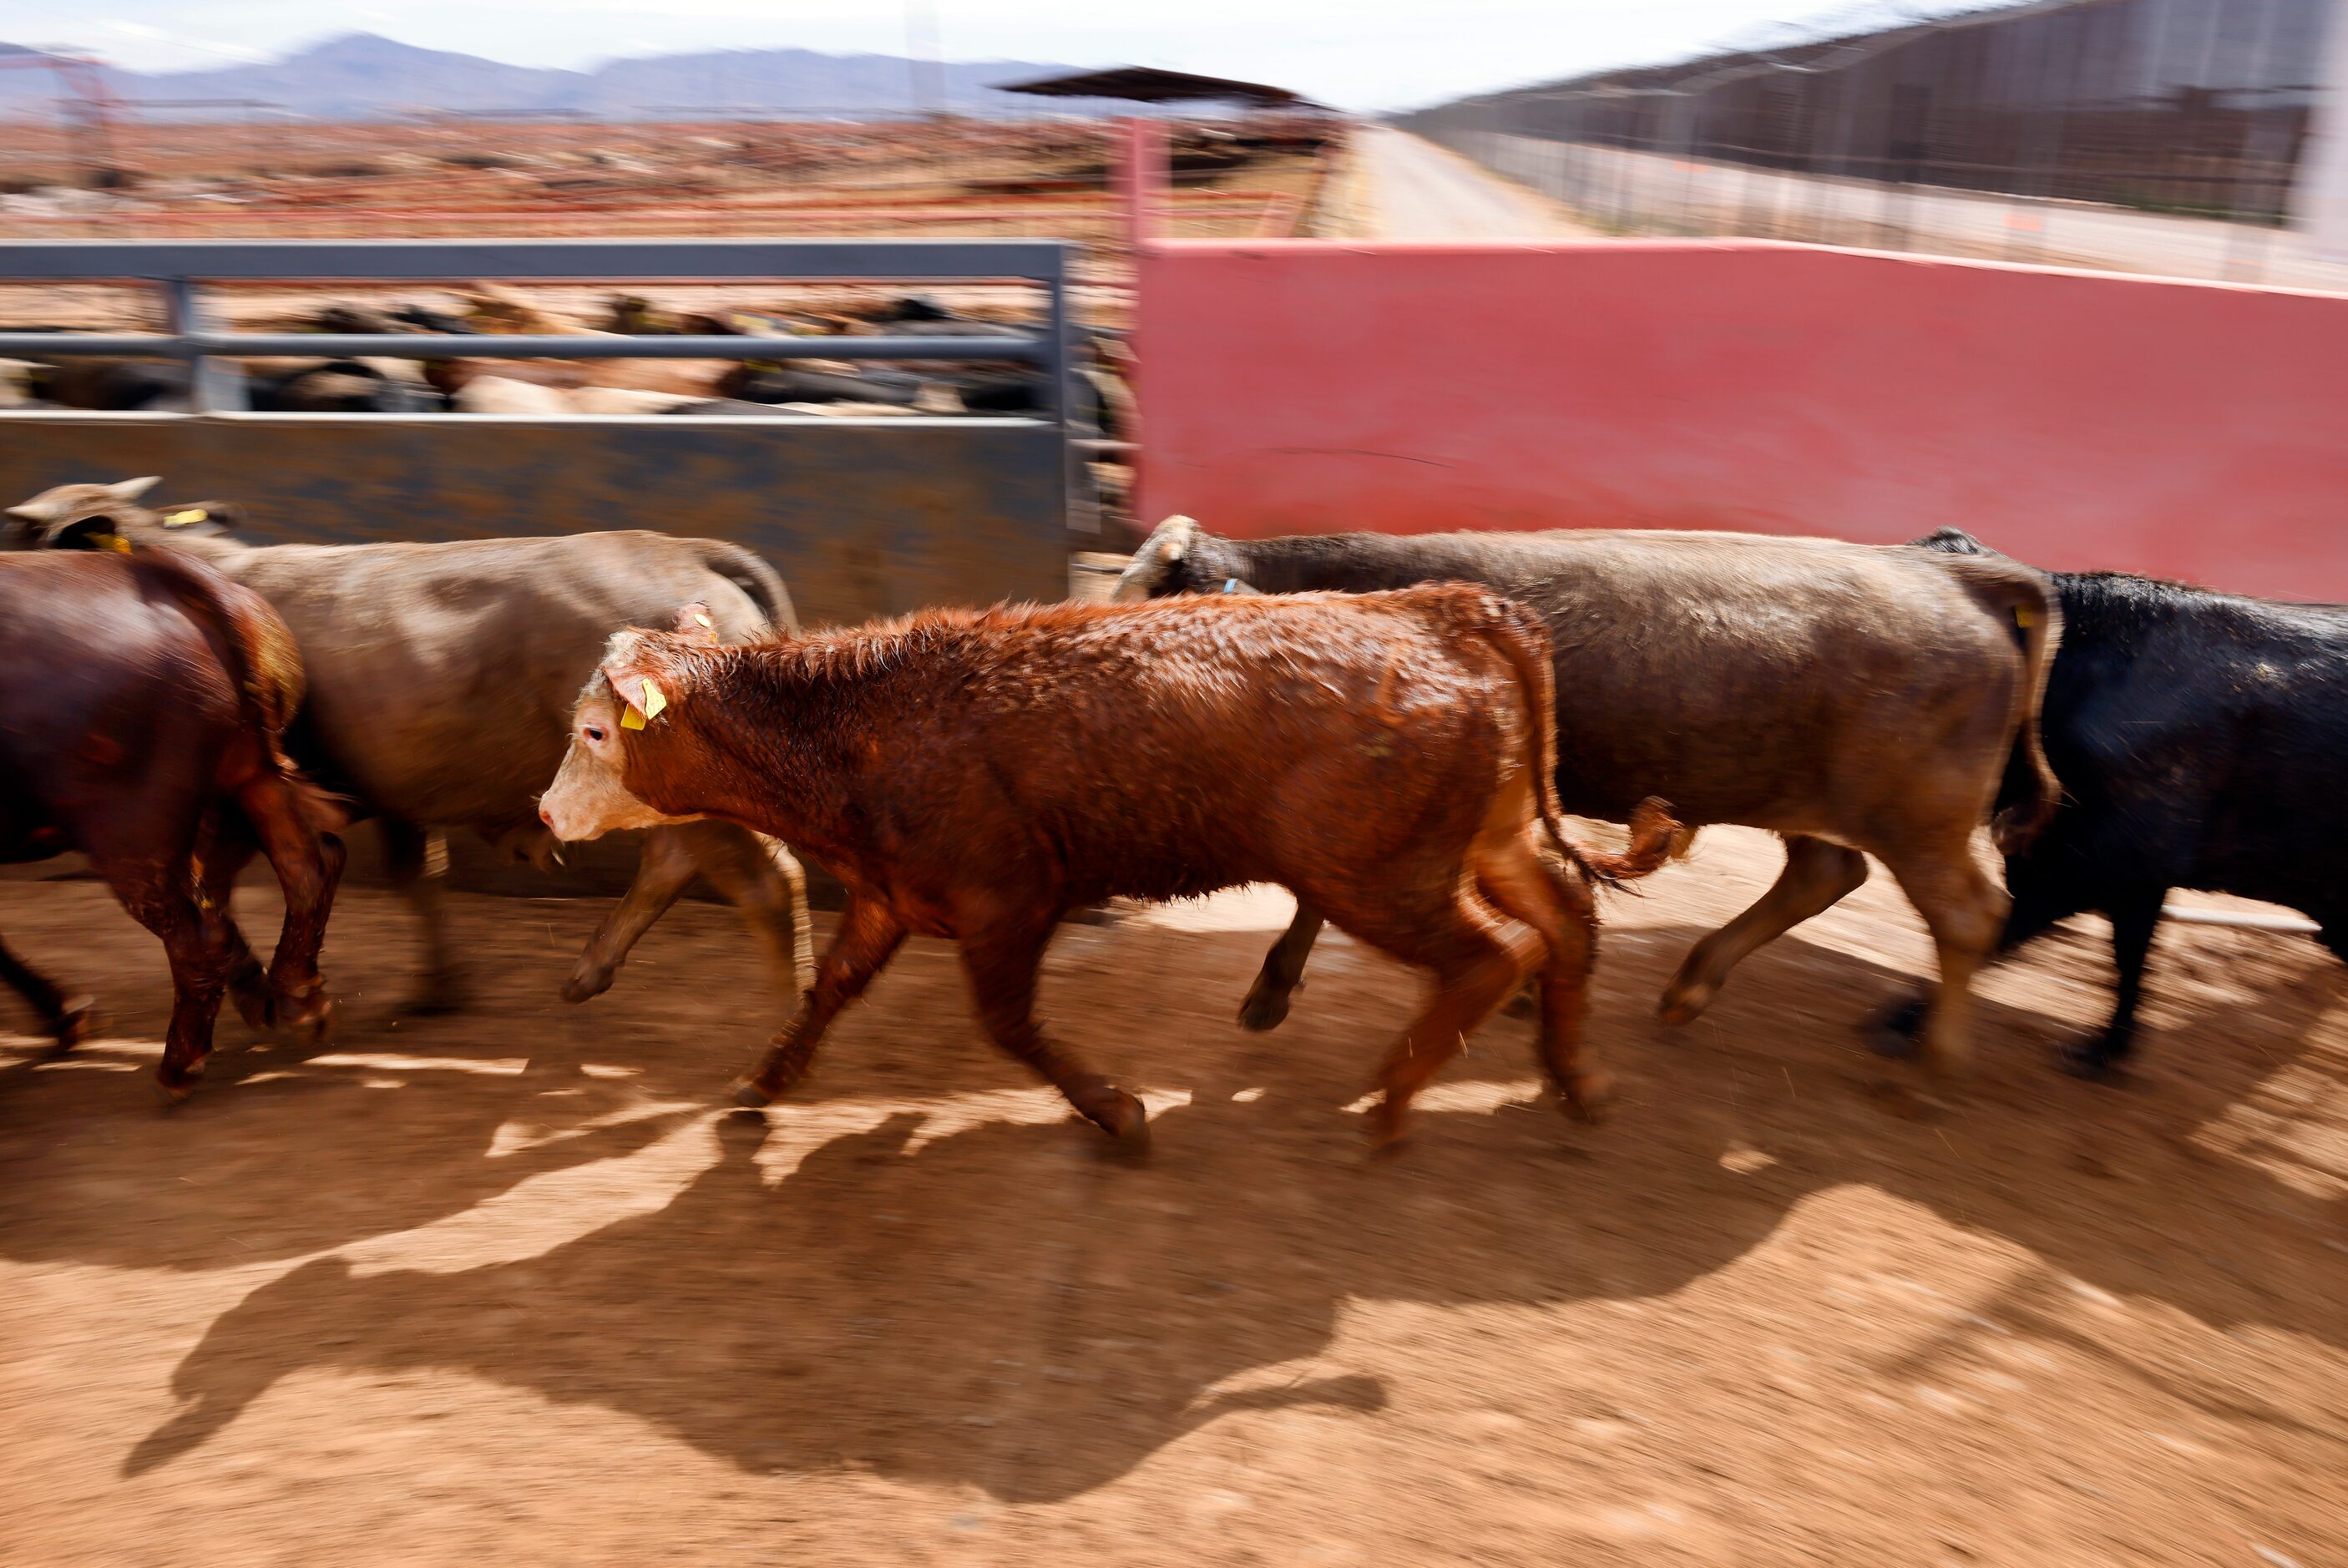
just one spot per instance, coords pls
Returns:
(508, 1288)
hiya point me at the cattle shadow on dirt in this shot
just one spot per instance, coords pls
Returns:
(1000, 1306)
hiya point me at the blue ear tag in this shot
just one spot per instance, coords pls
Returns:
(1231, 584)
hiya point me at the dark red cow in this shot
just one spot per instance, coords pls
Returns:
(140, 724)
(977, 775)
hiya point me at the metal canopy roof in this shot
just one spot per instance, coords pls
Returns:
(1147, 84)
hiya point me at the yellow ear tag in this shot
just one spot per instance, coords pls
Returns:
(653, 701)
(182, 518)
(703, 620)
(2022, 617)
(113, 542)
(631, 719)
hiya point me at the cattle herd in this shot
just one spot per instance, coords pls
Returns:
(463, 384)
(1393, 729)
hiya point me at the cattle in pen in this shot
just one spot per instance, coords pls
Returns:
(978, 775)
(2202, 741)
(141, 725)
(1854, 699)
(441, 677)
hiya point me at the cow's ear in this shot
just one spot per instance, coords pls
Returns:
(1154, 564)
(130, 490)
(49, 507)
(642, 695)
(639, 677)
(694, 622)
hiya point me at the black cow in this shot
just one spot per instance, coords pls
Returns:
(2202, 742)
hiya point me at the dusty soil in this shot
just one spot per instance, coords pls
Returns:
(508, 1289)
(956, 179)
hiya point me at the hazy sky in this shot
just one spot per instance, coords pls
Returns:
(1368, 54)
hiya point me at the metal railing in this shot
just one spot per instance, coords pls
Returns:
(181, 269)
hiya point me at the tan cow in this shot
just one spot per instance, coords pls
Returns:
(1856, 699)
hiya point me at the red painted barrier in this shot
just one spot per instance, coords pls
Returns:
(2075, 419)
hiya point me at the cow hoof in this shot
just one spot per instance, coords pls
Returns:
(74, 1025)
(312, 1021)
(437, 1002)
(1389, 1129)
(1897, 1032)
(1523, 1004)
(585, 983)
(1263, 1009)
(1588, 1095)
(1125, 1119)
(173, 1092)
(2089, 1060)
(750, 1096)
(1684, 1003)
(257, 1007)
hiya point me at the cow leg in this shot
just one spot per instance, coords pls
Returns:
(1477, 957)
(416, 859)
(2039, 902)
(309, 866)
(1001, 959)
(763, 881)
(870, 934)
(67, 1018)
(666, 870)
(1816, 875)
(1966, 914)
(1282, 974)
(1524, 883)
(196, 939)
(2134, 920)
(248, 983)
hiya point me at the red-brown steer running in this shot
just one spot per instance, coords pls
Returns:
(976, 775)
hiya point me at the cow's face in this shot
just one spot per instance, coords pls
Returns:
(590, 796)
(622, 703)
(1180, 557)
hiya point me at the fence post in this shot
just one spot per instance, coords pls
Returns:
(1079, 508)
(214, 386)
(1143, 172)
(1143, 168)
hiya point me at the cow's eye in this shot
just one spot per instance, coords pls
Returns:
(593, 732)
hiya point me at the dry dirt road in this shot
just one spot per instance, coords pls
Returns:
(508, 1289)
(1418, 190)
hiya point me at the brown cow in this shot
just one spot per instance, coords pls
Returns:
(141, 723)
(977, 775)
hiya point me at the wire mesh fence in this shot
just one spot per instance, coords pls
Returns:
(2156, 135)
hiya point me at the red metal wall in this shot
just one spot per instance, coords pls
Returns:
(2075, 419)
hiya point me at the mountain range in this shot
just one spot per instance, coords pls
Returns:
(360, 75)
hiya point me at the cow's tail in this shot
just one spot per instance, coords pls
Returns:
(748, 571)
(1521, 638)
(2024, 600)
(259, 657)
